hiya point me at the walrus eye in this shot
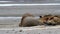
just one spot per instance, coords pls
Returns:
(40, 16)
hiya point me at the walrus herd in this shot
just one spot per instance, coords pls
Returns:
(29, 20)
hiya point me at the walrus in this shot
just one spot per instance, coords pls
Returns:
(29, 20)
